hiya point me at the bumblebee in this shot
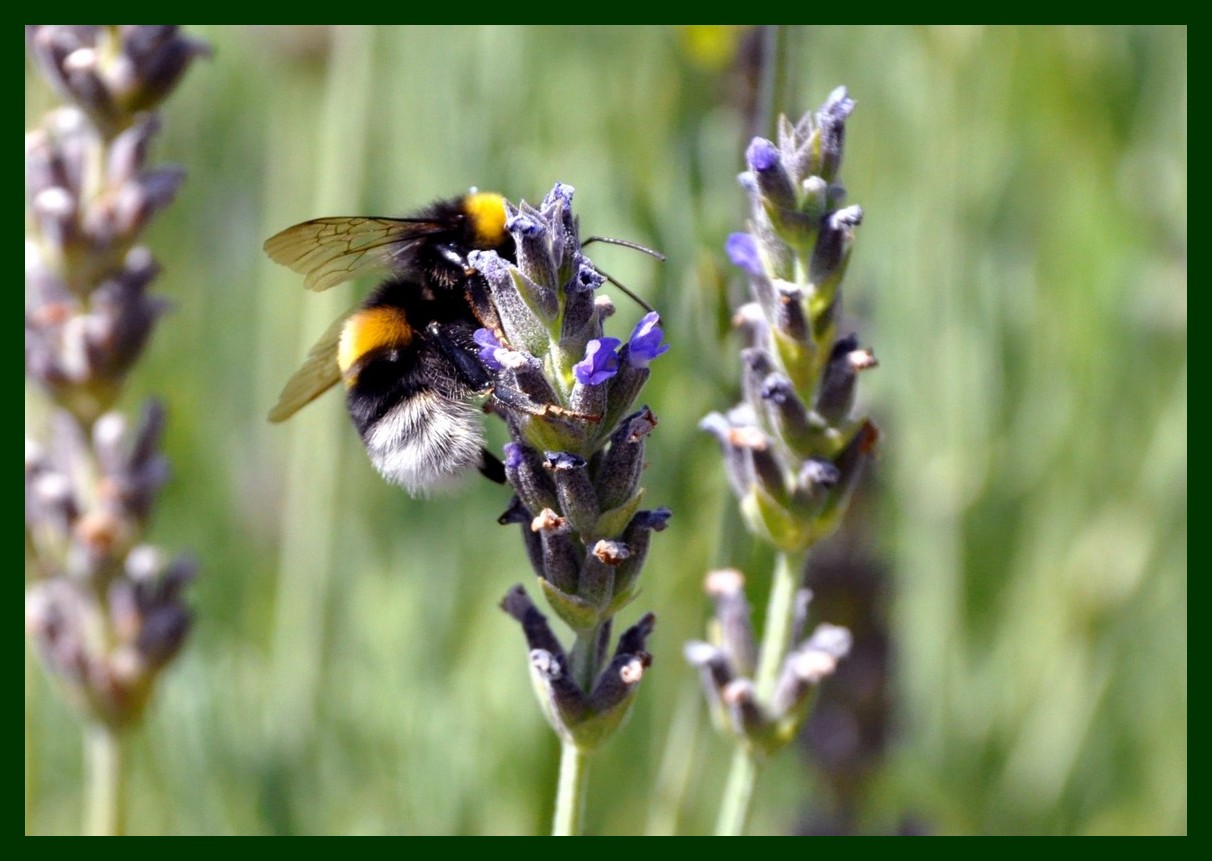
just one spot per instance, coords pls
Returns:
(406, 354)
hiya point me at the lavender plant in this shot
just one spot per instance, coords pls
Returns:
(793, 449)
(104, 610)
(575, 460)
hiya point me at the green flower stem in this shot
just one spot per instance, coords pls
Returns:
(780, 611)
(104, 762)
(776, 639)
(738, 792)
(586, 662)
(570, 795)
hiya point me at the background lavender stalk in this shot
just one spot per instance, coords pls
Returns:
(792, 449)
(104, 611)
(575, 460)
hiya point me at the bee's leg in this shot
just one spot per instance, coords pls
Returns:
(515, 399)
(476, 293)
(470, 369)
(491, 466)
(475, 376)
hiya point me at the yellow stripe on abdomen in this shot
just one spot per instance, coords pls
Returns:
(368, 330)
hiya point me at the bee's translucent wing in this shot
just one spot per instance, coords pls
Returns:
(328, 251)
(318, 374)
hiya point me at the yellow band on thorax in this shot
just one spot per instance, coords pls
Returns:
(487, 213)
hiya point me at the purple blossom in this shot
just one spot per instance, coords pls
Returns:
(762, 155)
(742, 250)
(586, 278)
(645, 344)
(524, 226)
(837, 107)
(560, 197)
(601, 362)
(490, 349)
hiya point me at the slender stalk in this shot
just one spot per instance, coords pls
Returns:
(32, 761)
(776, 639)
(570, 795)
(105, 776)
(738, 792)
(780, 612)
(586, 662)
(772, 80)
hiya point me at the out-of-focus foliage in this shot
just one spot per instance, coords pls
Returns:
(1021, 272)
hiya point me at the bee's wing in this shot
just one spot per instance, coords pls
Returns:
(331, 250)
(318, 374)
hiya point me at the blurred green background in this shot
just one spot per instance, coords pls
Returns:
(1021, 274)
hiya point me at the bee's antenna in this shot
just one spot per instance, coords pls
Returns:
(633, 246)
(623, 288)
